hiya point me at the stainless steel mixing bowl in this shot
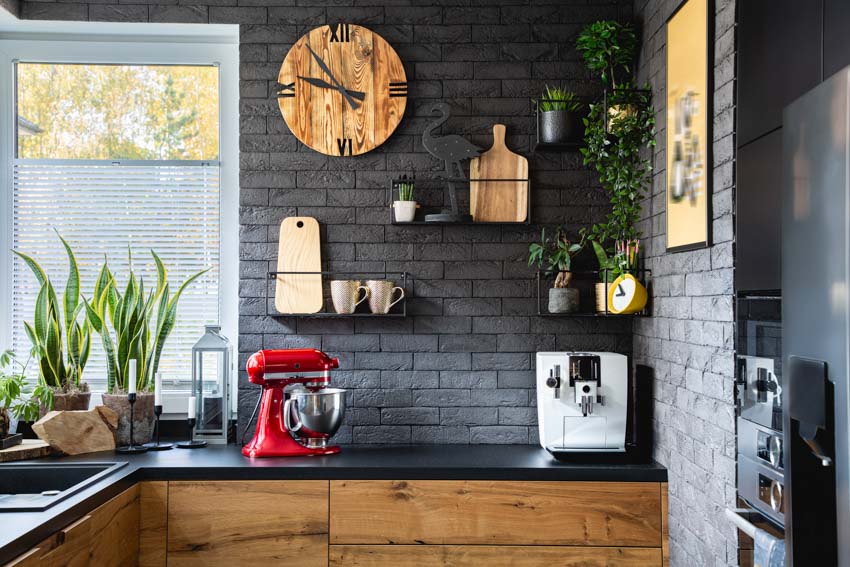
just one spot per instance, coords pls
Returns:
(314, 417)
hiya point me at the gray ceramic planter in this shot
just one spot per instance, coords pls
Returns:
(563, 300)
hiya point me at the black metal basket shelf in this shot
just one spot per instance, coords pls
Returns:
(392, 191)
(585, 281)
(362, 310)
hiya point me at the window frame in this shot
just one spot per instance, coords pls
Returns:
(149, 44)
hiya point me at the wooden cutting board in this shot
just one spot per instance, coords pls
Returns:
(502, 201)
(28, 449)
(299, 251)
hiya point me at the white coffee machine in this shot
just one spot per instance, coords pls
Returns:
(582, 401)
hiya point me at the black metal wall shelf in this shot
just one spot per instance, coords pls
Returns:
(585, 281)
(361, 311)
(392, 191)
(540, 146)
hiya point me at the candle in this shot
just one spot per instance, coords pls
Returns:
(131, 378)
(191, 409)
(157, 389)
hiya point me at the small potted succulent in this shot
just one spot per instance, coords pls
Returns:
(405, 208)
(133, 325)
(60, 337)
(555, 256)
(560, 117)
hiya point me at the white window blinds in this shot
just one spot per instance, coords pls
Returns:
(101, 207)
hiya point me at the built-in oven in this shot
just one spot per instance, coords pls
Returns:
(760, 470)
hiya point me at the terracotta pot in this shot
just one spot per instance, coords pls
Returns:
(68, 402)
(143, 417)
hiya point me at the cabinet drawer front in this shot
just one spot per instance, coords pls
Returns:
(496, 512)
(247, 523)
(492, 556)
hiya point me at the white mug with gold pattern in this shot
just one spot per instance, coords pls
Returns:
(345, 295)
(381, 295)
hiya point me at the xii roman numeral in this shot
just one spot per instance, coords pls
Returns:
(340, 33)
(344, 143)
(398, 89)
(285, 91)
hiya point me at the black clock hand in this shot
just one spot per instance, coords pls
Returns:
(325, 85)
(337, 84)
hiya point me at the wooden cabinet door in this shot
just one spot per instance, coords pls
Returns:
(153, 523)
(69, 547)
(115, 531)
(247, 523)
(496, 513)
(491, 556)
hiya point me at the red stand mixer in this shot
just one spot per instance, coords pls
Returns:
(301, 421)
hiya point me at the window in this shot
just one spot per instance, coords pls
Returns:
(118, 153)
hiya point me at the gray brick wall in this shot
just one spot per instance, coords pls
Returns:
(10, 6)
(690, 340)
(460, 368)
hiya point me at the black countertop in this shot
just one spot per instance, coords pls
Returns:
(22, 530)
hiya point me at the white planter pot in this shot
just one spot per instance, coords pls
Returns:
(404, 211)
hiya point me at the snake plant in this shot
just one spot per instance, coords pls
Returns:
(61, 340)
(126, 324)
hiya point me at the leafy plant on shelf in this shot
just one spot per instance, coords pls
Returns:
(555, 254)
(558, 98)
(15, 394)
(61, 339)
(618, 134)
(124, 322)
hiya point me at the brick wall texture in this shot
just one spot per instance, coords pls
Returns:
(690, 339)
(459, 369)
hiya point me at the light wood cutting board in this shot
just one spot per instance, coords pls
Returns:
(28, 449)
(299, 250)
(502, 201)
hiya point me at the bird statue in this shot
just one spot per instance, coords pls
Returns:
(451, 149)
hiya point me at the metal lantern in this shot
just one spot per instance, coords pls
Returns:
(211, 378)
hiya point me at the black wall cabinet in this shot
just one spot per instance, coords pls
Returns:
(779, 59)
(759, 213)
(836, 38)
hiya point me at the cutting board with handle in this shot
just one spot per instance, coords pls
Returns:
(498, 201)
(299, 250)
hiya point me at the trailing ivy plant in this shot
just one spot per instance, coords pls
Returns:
(618, 133)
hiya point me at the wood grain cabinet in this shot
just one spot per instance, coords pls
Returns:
(368, 523)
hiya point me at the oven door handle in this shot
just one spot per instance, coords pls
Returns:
(735, 516)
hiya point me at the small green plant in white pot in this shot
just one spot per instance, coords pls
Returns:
(555, 255)
(405, 208)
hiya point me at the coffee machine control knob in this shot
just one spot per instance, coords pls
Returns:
(552, 382)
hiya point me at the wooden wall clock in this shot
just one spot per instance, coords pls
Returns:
(342, 90)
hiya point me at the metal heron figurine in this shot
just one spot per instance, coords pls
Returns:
(451, 149)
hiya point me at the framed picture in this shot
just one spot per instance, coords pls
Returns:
(690, 66)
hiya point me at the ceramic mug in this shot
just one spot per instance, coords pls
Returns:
(381, 295)
(345, 295)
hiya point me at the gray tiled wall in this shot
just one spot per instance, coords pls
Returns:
(690, 340)
(460, 368)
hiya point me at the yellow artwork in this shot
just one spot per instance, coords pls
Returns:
(688, 134)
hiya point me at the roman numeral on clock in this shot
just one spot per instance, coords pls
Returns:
(285, 91)
(340, 33)
(398, 89)
(344, 144)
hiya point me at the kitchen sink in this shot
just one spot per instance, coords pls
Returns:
(32, 487)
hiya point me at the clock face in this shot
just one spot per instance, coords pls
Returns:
(624, 292)
(342, 90)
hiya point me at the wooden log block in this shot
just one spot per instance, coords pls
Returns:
(28, 449)
(76, 432)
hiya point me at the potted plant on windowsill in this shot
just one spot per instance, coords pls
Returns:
(60, 337)
(405, 208)
(16, 399)
(133, 325)
(560, 117)
(556, 255)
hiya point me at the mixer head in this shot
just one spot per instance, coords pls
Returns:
(306, 366)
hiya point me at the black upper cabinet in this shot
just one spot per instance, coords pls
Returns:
(759, 213)
(779, 59)
(836, 39)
